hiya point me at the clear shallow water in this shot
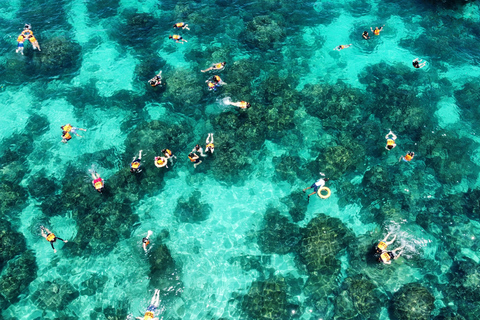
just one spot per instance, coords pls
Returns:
(252, 252)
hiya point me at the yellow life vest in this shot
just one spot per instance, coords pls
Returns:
(179, 24)
(67, 128)
(211, 85)
(243, 104)
(50, 237)
(217, 78)
(176, 37)
(67, 136)
(390, 142)
(168, 152)
(219, 66)
(98, 185)
(191, 159)
(376, 32)
(210, 145)
(20, 38)
(32, 39)
(148, 315)
(382, 245)
(385, 257)
(135, 165)
(160, 161)
(408, 157)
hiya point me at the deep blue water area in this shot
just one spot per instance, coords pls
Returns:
(235, 237)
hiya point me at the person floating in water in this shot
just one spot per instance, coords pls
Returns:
(97, 182)
(216, 66)
(214, 82)
(136, 163)
(169, 154)
(146, 241)
(365, 35)
(47, 234)
(27, 30)
(198, 149)
(390, 140)
(20, 45)
(320, 183)
(240, 104)
(154, 304)
(408, 157)
(160, 162)
(66, 137)
(195, 159)
(69, 128)
(416, 63)
(156, 81)
(377, 31)
(177, 38)
(210, 146)
(341, 47)
(388, 256)
(382, 245)
(181, 25)
(34, 42)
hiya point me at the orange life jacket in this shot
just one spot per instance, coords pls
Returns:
(385, 257)
(382, 245)
(148, 315)
(135, 165)
(210, 145)
(217, 78)
(376, 32)
(99, 185)
(408, 157)
(243, 104)
(50, 237)
(167, 151)
(191, 159)
(67, 136)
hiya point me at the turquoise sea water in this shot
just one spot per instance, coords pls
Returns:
(235, 237)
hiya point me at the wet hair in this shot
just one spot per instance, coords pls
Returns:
(365, 32)
(191, 154)
(248, 105)
(326, 179)
(164, 150)
(64, 132)
(170, 37)
(390, 147)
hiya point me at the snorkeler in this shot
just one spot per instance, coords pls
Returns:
(320, 183)
(377, 31)
(341, 47)
(210, 146)
(408, 157)
(181, 25)
(216, 66)
(177, 38)
(199, 150)
(195, 159)
(20, 46)
(387, 256)
(214, 82)
(382, 245)
(34, 42)
(390, 140)
(146, 241)
(160, 162)
(154, 303)
(365, 35)
(240, 104)
(416, 63)
(66, 136)
(169, 154)
(69, 128)
(47, 234)
(97, 182)
(156, 81)
(136, 163)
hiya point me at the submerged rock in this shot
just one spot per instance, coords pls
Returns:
(412, 302)
(297, 204)
(266, 300)
(54, 295)
(277, 235)
(18, 276)
(12, 243)
(191, 209)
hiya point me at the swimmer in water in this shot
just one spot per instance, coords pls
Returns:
(177, 38)
(391, 137)
(20, 46)
(209, 143)
(377, 31)
(382, 245)
(240, 104)
(320, 183)
(146, 241)
(181, 25)
(156, 81)
(47, 234)
(154, 304)
(408, 157)
(198, 149)
(341, 47)
(387, 256)
(365, 35)
(416, 63)
(216, 66)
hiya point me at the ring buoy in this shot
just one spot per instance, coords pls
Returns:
(324, 196)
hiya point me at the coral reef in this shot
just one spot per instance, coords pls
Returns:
(411, 302)
(11, 242)
(264, 32)
(266, 300)
(18, 276)
(277, 235)
(192, 210)
(288, 168)
(60, 56)
(40, 187)
(297, 204)
(93, 284)
(54, 295)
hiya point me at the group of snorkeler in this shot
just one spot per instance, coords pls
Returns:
(416, 62)
(391, 137)
(159, 161)
(26, 34)
(384, 255)
(67, 129)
